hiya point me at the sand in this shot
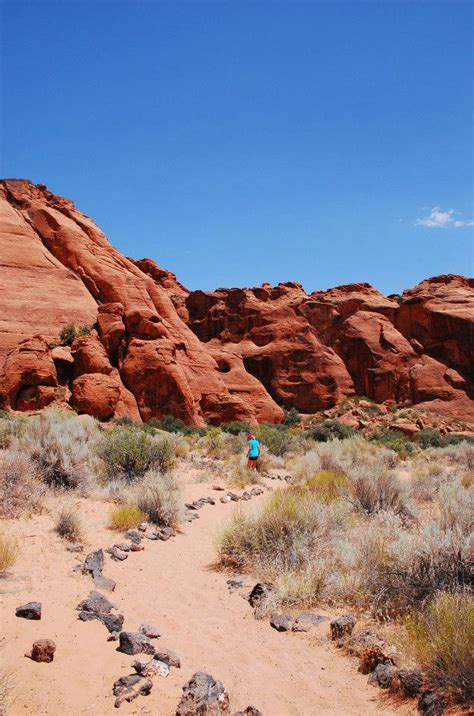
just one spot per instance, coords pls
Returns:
(170, 585)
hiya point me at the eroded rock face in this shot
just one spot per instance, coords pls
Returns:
(232, 354)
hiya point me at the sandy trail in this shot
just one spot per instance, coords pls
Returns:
(171, 586)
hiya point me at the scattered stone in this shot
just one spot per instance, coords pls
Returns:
(249, 711)
(94, 562)
(168, 657)
(135, 643)
(142, 688)
(149, 630)
(257, 491)
(75, 548)
(96, 602)
(371, 658)
(382, 676)
(245, 496)
(235, 584)
(190, 516)
(133, 536)
(210, 500)
(358, 643)
(153, 535)
(43, 651)
(123, 546)
(233, 496)
(260, 593)
(113, 622)
(431, 704)
(280, 622)
(166, 533)
(114, 636)
(136, 547)
(225, 498)
(203, 695)
(191, 505)
(102, 582)
(342, 626)
(154, 667)
(117, 554)
(407, 682)
(142, 526)
(219, 488)
(125, 682)
(32, 610)
(306, 620)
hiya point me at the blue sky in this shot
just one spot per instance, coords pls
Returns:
(243, 142)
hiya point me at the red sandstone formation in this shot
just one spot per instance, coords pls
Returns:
(231, 354)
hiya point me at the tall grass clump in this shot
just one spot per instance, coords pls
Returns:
(8, 553)
(21, 489)
(375, 490)
(11, 427)
(158, 497)
(441, 640)
(128, 452)
(125, 517)
(61, 448)
(68, 525)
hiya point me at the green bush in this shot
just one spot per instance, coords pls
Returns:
(129, 452)
(69, 333)
(235, 427)
(441, 640)
(395, 440)
(329, 430)
(429, 437)
(292, 418)
(168, 423)
(276, 438)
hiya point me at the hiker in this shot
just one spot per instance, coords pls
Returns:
(253, 453)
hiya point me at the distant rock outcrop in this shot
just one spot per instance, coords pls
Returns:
(154, 348)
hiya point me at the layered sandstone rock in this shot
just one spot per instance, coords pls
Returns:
(232, 354)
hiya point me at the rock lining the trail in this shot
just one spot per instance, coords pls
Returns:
(134, 642)
(205, 696)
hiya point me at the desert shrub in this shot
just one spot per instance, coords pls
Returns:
(302, 588)
(455, 439)
(287, 535)
(304, 467)
(8, 553)
(292, 418)
(68, 525)
(461, 454)
(168, 423)
(125, 517)
(61, 448)
(441, 640)
(374, 490)
(159, 498)
(241, 476)
(21, 489)
(329, 430)
(130, 452)
(236, 427)
(328, 485)
(456, 506)
(11, 427)
(69, 333)
(276, 438)
(418, 567)
(124, 420)
(429, 437)
(396, 441)
(467, 479)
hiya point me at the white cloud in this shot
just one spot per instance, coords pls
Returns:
(442, 219)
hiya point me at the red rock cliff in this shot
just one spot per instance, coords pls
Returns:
(231, 354)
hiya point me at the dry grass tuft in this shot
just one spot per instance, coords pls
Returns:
(68, 525)
(21, 490)
(8, 553)
(159, 498)
(441, 639)
(125, 517)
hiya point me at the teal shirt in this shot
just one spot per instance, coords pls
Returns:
(254, 446)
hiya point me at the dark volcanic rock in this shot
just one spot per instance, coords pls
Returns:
(32, 610)
(96, 602)
(382, 676)
(135, 643)
(203, 695)
(408, 682)
(280, 622)
(152, 632)
(94, 562)
(342, 626)
(431, 704)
